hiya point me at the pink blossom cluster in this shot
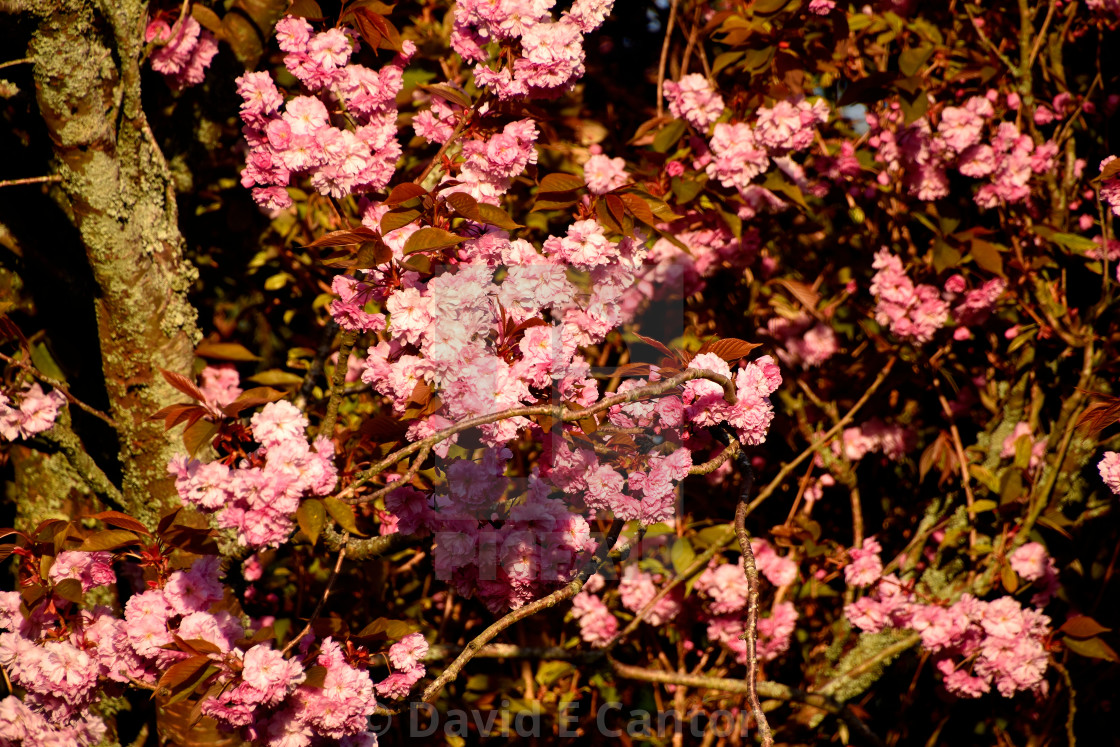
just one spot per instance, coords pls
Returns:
(670, 271)
(692, 98)
(741, 151)
(28, 413)
(505, 540)
(1110, 187)
(490, 166)
(64, 657)
(921, 155)
(975, 305)
(637, 588)
(436, 123)
(1034, 564)
(975, 644)
(406, 657)
(259, 495)
(866, 567)
(304, 139)
(1109, 468)
(221, 384)
(182, 52)
(775, 632)
(604, 174)
(802, 340)
(547, 56)
(912, 311)
(874, 436)
(722, 589)
(597, 624)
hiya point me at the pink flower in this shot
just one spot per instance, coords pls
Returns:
(694, 99)
(407, 653)
(866, 567)
(1109, 468)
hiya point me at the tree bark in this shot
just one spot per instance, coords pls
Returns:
(117, 188)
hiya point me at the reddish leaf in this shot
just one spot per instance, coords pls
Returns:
(808, 297)
(182, 671)
(356, 235)
(617, 209)
(730, 349)
(183, 384)
(259, 395)
(6, 550)
(464, 205)
(385, 628)
(449, 94)
(1102, 413)
(495, 216)
(173, 415)
(404, 192)
(124, 521)
(1083, 626)
(640, 209)
(308, 9)
(316, 676)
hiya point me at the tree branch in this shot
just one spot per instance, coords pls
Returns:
(560, 413)
(766, 689)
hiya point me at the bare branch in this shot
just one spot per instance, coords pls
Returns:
(322, 600)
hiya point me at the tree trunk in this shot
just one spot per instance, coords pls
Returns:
(117, 189)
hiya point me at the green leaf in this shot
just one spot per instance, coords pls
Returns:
(427, 239)
(1093, 648)
(108, 539)
(383, 627)
(225, 351)
(668, 136)
(398, 218)
(276, 377)
(685, 190)
(682, 555)
(987, 255)
(343, 513)
(944, 256)
(560, 182)
(277, 281)
(911, 60)
(311, 516)
(69, 589)
(984, 476)
(495, 216)
(450, 94)
(316, 676)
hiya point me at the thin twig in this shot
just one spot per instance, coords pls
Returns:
(21, 61)
(49, 179)
(966, 480)
(664, 58)
(322, 600)
(569, 590)
(459, 127)
(56, 384)
(772, 690)
(988, 42)
(750, 569)
(820, 443)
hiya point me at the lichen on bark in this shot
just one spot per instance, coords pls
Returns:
(116, 184)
